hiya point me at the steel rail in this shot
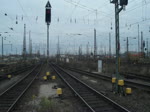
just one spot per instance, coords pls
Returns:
(10, 97)
(4, 76)
(93, 99)
(136, 84)
(135, 76)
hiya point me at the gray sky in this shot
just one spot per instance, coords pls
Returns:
(81, 11)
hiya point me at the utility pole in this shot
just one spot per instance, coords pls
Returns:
(58, 47)
(147, 47)
(105, 51)
(58, 50)
(48, 21)
(127, 48)
(30, 43)
(47, 40)
(31, 46)
(16, 51)
(95, 46)
(110, 45)
(117, 11)
(138, 39)
(2, 48)
(80, 51)
(142, 47)
(87, 49)
(24, 42)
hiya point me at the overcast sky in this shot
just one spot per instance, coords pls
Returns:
(69, 18)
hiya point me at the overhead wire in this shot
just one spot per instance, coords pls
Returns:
(24, 12)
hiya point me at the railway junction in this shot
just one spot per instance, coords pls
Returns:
(77, 56)
(70, 86)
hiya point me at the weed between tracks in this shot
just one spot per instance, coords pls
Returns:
(47, 105)
(35, 101)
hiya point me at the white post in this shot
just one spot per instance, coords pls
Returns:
(100, 66)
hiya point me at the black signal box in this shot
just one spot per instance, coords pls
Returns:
(48, 13)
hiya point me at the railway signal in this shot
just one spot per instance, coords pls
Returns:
(123, 2)
(119, 5)
(48, 13)
(48, 21)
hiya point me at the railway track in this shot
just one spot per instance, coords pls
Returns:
(4, 76)
(136, 84)
(10, 97)
(130, 75)
(95, 101)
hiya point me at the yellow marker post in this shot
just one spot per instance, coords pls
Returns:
(113, 80)
(121, 82)
(9, 76)
(47, 73)
(120, 87)
(128, 91)
(113, 83)
(53, 77)
(45, 78)
(59, 91)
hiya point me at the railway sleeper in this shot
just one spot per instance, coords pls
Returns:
(3, 109)
(106, 109)
(96, 102)
(102, 105)
(89, 96)
(5, 105)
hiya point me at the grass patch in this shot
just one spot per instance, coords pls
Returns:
(47, 105)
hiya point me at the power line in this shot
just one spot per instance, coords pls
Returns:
(24, 12)
(133, 8)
